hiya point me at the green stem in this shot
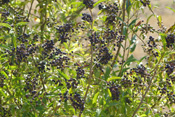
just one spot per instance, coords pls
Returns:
(91, 66)
(149, 85)
(117, 53)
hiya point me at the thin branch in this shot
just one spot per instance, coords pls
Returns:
(147, 89)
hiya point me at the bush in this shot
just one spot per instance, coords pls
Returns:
(64, 66)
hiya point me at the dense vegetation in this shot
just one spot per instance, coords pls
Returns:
(59, 58)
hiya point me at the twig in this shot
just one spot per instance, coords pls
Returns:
(117, 53)
(147, 89)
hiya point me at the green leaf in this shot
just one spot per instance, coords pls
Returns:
(160, 21)
(63, 74)
(106, 75)
(143, 115)
(171, 9)
(4, 46)
(98, 2)
(128, 6)
(109, 92)
(113, 78)
(163, 39)
(130, 59)
(133, 22)
(133, 39)
(5, 25)
(2, 92)
(142, 59)
(133, 48)
(149, 18)
(3, 73)
(95, 98)
(171, 29)
(21, 24)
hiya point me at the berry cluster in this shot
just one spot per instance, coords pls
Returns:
(170, 40)
(80, 72)
(94, 39)
(63, 32)
(77, 102)
(126, 82)
(110, 35)
(47, 47)
(115, 91)
(111, 10)
(145, 2)
(59, 62)
(71, 83)
(150, 48)
(145, 28)
(5, 1)
(5, 13)
(151, 42)
(172, 78)
(5, 112)
(63, 97)
(23, 38)
(55, 52)
(170, 94)
(169, 69)
(141, 70)
(88, 3)
(31, 86)
(41, 66)
(22, 52)
(171, 97)
(104, 56)
(75, 99)
(87, 17)
(120, 39)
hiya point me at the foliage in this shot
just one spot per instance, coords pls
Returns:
(52, 63)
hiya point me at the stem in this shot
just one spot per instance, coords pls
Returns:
(29, 14)
(91, 67)
(117, 53)
(147, 89)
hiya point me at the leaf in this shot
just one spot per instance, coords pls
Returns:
(98, 2)
(133, 48)
(4, 46)
(5, 25)
(171, 9)
(98, 111)
(109, 92)
(149, 18)
(133, 40)
(171, 29)
(95, 98)
(160, 21)
(129, 60)
(143, 115)
(142, 59)
(21, 24)
(163, 39)
(63, 74)
(2, 92)
(133, 22)
(3, 73)
(128, 6)
(106, 75)
(13, 40)
(113, 78)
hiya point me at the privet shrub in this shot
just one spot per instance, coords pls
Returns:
(57, 60)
